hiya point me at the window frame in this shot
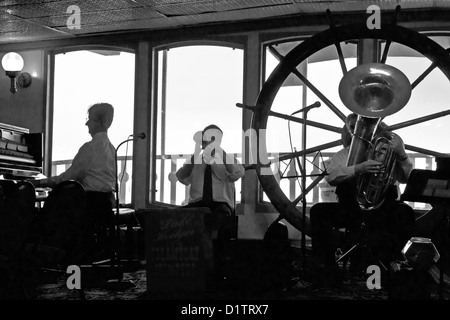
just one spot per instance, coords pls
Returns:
(233, 43)
(49, 110)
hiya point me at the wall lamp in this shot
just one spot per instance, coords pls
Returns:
(12, 63)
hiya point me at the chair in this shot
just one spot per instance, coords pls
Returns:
(59, 225)
(366, 237)
(101, 224)
(16, 215)
(17, 211)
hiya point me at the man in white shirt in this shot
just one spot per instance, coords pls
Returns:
(389, 226)
(215, 189)
(94, 164)
(94, 168)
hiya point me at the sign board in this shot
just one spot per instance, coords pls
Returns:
(179, 250)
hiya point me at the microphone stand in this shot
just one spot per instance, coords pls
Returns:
(118, 283)
(303, 240)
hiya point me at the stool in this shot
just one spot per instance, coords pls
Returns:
(130, 226)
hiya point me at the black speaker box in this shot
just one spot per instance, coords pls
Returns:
(248, 265)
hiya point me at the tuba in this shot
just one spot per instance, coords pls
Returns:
(373, 91)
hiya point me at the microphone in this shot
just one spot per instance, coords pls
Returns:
(141, 135)
(314, 105)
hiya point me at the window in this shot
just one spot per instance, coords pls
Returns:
(83, 78)
(197, 86)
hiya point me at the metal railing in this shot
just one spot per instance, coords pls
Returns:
(170, 191)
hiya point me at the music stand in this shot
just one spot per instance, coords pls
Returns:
(118, 283)
(303, 173)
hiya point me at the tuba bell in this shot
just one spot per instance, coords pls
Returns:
(373, 91)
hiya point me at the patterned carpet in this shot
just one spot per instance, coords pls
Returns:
(246, 280)
(353, 287)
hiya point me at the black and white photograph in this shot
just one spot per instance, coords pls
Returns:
(224, 158)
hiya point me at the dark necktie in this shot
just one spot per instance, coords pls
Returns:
(207, 185)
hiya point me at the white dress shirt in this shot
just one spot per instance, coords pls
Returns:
(93, 165)
(223, 178)
(339, 172)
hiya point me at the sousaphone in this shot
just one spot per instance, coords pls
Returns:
(373, 91)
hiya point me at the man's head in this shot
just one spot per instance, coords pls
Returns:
(349, 128)
(211, 133)
(100, 117)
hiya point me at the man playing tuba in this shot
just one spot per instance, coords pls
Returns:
(387, 227)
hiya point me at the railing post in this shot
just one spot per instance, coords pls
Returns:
(123, 179)
(173, 183)
(292, 173)
(316, 164)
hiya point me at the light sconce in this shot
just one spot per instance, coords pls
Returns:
(12, 63)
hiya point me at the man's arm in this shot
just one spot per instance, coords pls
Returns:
(337, 169)
(183, 174)
(234, 169)
(77, 171)
(404, 164)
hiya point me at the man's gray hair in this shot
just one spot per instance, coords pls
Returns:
(103, 112)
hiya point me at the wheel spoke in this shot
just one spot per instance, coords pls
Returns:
(423, 75)
(295, 119)
(321, 96)
(418, 120)
(426, 72)
(318, 93)
(425, 151)
(337, 44)
(308, 122)
(385, 51)
(389, 41)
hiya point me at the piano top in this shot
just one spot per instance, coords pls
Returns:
(21, 152)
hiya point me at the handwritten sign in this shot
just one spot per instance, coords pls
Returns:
(179, 250)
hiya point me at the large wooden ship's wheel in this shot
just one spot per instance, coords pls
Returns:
(335, 35)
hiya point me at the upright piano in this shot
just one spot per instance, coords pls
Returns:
(21, 153)
(21, 156)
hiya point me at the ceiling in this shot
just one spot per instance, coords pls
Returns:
(37, 20)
